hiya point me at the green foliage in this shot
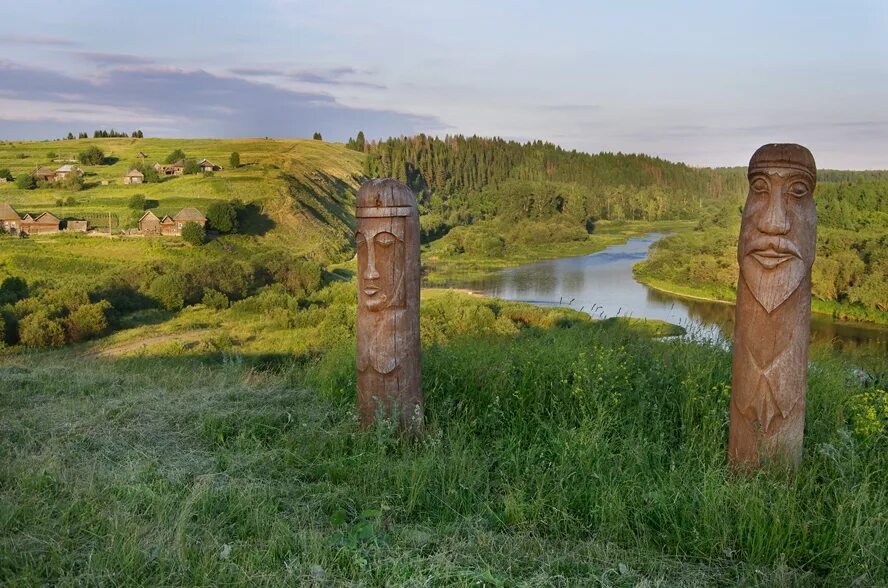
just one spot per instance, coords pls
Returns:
(73, 183)
(194, 234)
(136, 202)
(6, 174)
(215, 299)
(175, 156)
(234, 160)
(92, 155)
(222, 216)
(51, 155)
(12, 290)
(88, 321)
(169, 291)
(191, 167)
(317, 136)
(38, 330)
(299, 276)
(25, 182)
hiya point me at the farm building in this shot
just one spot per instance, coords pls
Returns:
(10, 221)
(77, 226)
(172, 169)
(168, 226)
(134, 177)
(65, 171)
(44, 224)
(206, 165)
(43, 174)
(149, 224)
(189, 215)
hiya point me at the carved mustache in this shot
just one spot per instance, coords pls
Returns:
(766, 244)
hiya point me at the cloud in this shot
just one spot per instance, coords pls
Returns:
(193, 102)
(256, 71)
(37, 40)
(111, 59)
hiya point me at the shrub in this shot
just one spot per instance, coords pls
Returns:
(234, 160)
(38, 330)
(137, 202)
(5, 173)
(12, 290)
(298, 276)
(169, 291)
(25, 182)
(215, 299)
(175, 156)
(2, 332)
(317, 136)
(222, 217)
(91, 156)
(22, 156)
(194, 233)
(88, 321)
(52, 155)
(191, 167)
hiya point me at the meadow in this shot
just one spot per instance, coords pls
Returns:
(222, 447)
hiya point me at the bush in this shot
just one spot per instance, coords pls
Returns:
(317, 136)
(170, 291)
(175, 156)
(52, 155)
(88, 321)
(91, 156)
(136, 202)
(12, 290)
(194, 233)
(38, 330)
(222, 217)
(215, 299)
(191, 167)
(298, 276)
(234, 160)
(25, 182)
(5, 173)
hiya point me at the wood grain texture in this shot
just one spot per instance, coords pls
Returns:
(776, 250)
(388, 347)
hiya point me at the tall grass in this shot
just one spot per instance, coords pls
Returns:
(575, 454)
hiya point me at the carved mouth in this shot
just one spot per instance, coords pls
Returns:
(371, 290)
(771, 258)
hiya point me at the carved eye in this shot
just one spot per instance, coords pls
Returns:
(760, 185)
(360, 240)
(385, 239)
(798, 189)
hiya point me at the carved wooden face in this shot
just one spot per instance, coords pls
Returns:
(777, 234)
(381, 262)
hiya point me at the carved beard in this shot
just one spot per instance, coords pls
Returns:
(771, 287)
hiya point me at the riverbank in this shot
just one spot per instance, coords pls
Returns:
(837, 311)
(441, 268)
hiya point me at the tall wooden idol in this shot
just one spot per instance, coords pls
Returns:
(778, 236)
(388, 349)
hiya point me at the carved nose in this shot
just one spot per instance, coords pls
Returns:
(774, 220)
(371, 273)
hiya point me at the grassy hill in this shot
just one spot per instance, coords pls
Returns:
(300, 189)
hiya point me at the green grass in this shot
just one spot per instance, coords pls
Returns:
(559, 451)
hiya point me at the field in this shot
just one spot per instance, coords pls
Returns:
(221, 447)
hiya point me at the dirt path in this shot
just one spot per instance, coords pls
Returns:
(116, 350)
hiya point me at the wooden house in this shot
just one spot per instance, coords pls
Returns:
(77, 226)
(43, 224)
(65, 171)
(189, 215)
(149, 224)
(206, 165)
(43, 174)
(171, 169)
(168, 226)
(134, 177)
(10, 221)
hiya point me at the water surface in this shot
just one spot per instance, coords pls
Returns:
(602, 285)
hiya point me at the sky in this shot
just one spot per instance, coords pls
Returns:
(705, 83)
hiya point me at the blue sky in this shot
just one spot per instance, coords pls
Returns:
(700, 82)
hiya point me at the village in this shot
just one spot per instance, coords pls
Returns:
(149, 224)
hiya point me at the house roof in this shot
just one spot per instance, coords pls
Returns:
(42, 171)
(8, 213)
(68, 168)
(28, 218)
(135, 174)
(180, 163)
(167, 220)
(47, 217)
(190, 214)
(149, 215)
(206, 162)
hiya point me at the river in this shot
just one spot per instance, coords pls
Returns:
(602, 285)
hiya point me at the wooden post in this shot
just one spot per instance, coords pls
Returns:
(778, 235)
(388, 349)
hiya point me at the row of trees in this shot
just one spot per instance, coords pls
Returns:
(103, 134)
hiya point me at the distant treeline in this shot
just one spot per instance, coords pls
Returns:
(105, 134)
